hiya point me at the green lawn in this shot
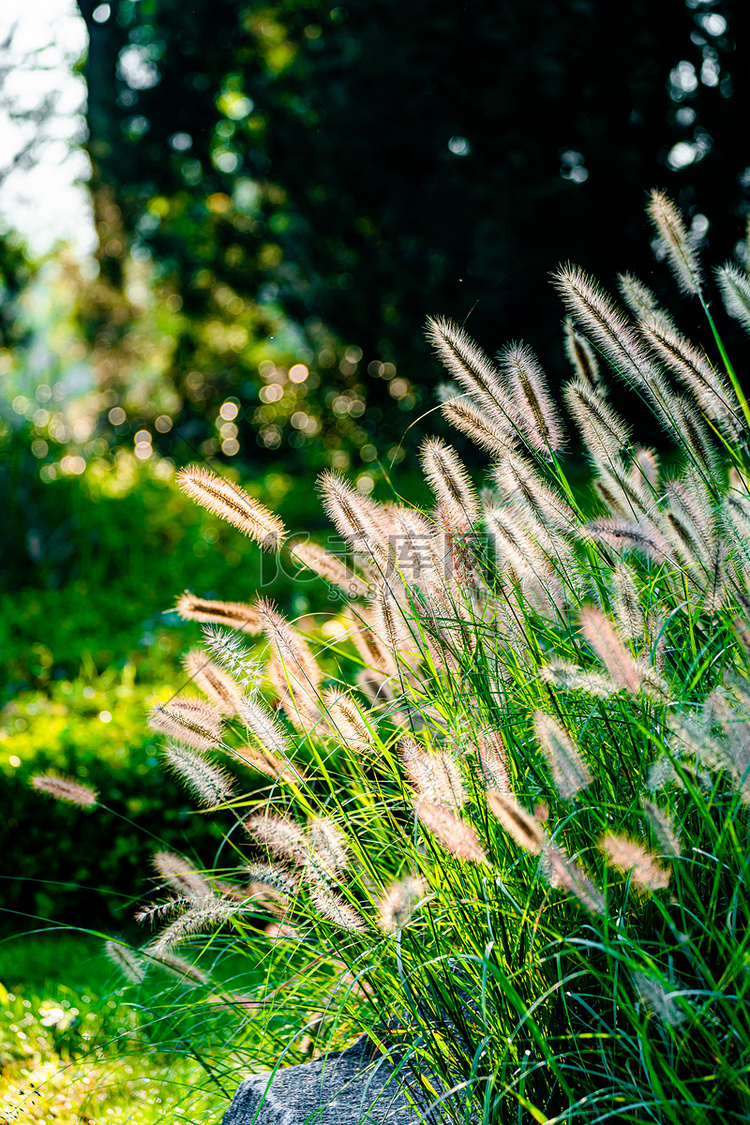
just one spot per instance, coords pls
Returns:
(73, 1051)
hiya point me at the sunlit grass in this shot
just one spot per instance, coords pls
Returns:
(72, 1050)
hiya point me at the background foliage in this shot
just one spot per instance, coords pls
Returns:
(359, 166)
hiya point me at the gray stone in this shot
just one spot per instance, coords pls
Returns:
(359, 1086)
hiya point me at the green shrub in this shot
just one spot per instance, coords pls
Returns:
(519, 827)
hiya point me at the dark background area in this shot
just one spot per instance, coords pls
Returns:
(392, 160)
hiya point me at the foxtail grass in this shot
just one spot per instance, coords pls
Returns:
(508, 805)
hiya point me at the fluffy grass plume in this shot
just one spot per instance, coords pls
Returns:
(470, 367)
(126, 960)
(190, 721)
(65, 789)
(236, 615)
(180, 875)
(670, 227)
(326, 565)
(399, 903)
(582, 356)
(628, 855)
(455, 834)
(449, 480)
(525, 829)
(233, 504)
(537, 415)
(734, 285)
(210, 784)
(224, 692)
(484, 430)
(569, 771)
(602, 636)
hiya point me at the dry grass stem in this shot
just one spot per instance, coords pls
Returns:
(606, 436)
(278, 835)
(265, 726)
(178, 966)
(693, 369)
(631, 623)
(566, 676)
(347, 721)
(337, 910)
(493, 759)
(655, 996)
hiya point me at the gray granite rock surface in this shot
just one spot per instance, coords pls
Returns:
(359, 1086)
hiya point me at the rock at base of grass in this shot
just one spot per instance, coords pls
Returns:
(359, 1086)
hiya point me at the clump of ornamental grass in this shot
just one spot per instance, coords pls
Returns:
(503, 818)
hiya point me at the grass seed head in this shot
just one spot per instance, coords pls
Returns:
(211, 784)
(627, 855)
(400, 901)
(681, 256)
(236, 615)
(456, 835)
(480, 427)
(734, 284)
(65, 789)
(537, 415)
(224, 692)
(525, 829)
(601, 635)
(565, 873)
(232, 504)
(126, 960)
(190, 721)
(569, 771)
(180, 875)
(337, 910)
(583, 357)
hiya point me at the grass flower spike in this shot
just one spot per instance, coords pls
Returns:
(191, 721)
(233, 504)
(65, 789)
(681, 256)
